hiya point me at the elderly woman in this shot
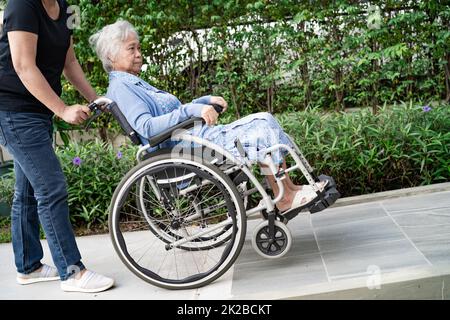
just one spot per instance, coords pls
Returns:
(150, 110)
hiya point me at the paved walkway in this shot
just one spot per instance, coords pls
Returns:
(384, 249)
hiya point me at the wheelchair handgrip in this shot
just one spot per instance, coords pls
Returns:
(129, 131)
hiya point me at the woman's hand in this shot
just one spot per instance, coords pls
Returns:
(210, 115)
(220, 101)
(75, 114)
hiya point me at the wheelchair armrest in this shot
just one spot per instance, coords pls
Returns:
(163, 136)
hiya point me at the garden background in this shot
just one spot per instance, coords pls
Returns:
(363, 87)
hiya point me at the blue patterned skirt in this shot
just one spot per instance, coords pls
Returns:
(256, 132)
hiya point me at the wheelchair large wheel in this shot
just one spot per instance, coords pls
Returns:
(150, 187)
(190, 226)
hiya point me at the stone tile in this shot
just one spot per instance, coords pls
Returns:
(422, 218)
(420, 224)
(361, 261)
(445, 211)
(358, 233)
(285, 273)
(341, 215)
(435, 248)
(425, 201)
(301, 222)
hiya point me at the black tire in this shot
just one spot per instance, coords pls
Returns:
(229, 212)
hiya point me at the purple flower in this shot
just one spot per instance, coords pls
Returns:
(119, 155)
(426, 108)
(76, 161)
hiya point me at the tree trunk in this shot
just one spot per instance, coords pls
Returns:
(305, 72)
(232, 86)
(199, 62)
(234, 99)
(447, 78)
(375, 84)
(307, 84)
(270, 90)
(270, 93)
(447, 68)
(337, 37)
(339, 93)
(102, 132)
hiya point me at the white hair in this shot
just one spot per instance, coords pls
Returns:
(109, 39)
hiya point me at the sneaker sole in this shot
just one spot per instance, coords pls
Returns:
(75, 289)
(35, 280)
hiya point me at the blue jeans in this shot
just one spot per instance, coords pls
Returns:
(40, 195)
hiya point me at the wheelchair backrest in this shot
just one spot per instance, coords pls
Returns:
(126, 127)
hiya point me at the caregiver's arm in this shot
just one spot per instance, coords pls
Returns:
(23, 47)
(75, 75)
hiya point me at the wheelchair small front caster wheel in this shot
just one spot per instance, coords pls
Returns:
(270, 248)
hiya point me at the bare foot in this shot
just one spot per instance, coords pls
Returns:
(286, 203)
(295, 187)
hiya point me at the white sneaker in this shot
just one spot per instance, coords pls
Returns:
(46, 273)
(89, 282)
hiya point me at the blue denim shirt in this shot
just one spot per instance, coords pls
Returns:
(148, 109)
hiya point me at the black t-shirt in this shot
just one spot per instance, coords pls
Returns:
(53, 42)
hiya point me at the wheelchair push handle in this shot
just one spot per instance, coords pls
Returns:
(111, 106)
(96, 110)
(95, 106)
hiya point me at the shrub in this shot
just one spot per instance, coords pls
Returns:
(93, 170)
(402, 146)
(7, 188)
(6, 197)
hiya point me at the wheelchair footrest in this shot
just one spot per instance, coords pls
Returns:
(330, 197)
(331, 182)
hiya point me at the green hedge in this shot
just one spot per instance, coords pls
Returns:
(402, 146)
(362, 56)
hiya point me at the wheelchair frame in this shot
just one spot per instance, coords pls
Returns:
(273, 221)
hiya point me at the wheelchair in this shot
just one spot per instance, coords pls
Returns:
(178, 219)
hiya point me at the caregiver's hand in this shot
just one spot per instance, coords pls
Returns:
(75, 114)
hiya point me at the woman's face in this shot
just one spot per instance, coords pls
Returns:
(129, 58)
